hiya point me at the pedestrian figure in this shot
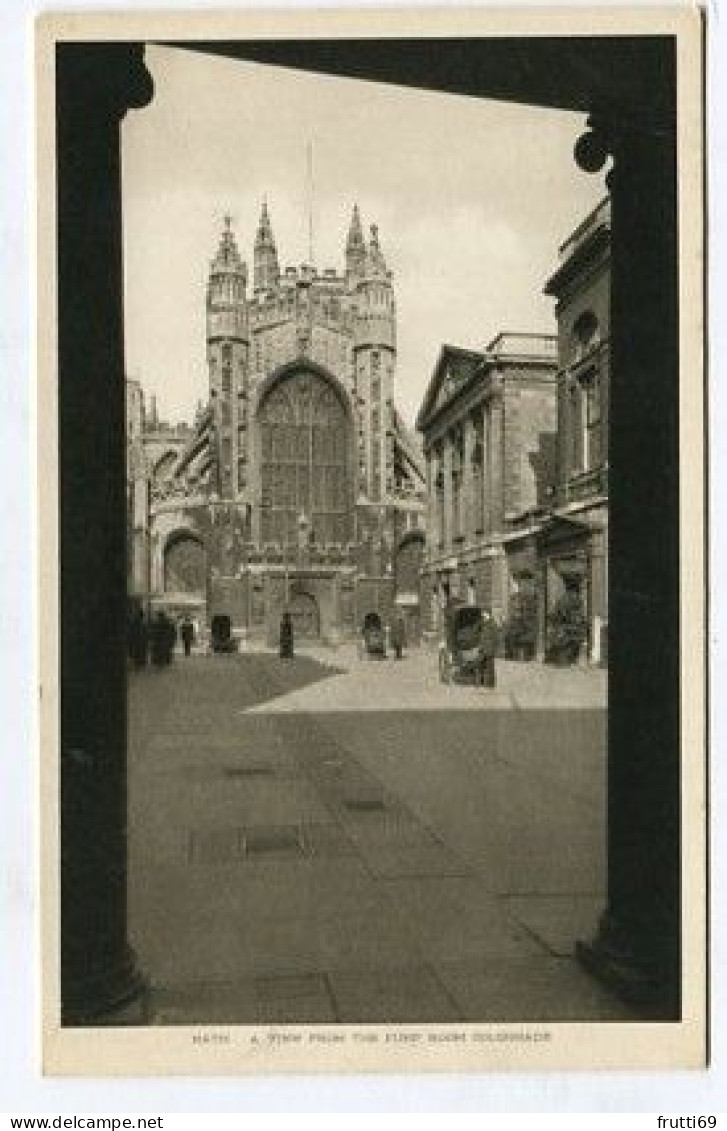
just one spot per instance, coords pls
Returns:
(488, 637)
(286, 637)
(162, 637)
(398, 636)
(157, 639)
(138, 640)
(170, 639)
(187, 635)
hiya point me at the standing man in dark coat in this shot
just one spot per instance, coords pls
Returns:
(286, 637)
(398, 635)
(187, 635)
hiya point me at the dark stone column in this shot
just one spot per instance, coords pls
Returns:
(95, 84)
(637, 949)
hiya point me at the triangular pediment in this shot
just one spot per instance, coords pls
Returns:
(455, 368)
(451, 384)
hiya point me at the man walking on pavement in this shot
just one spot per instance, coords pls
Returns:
(398, 635)
(187, 635)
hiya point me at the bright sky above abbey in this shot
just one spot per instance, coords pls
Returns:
(468, 252)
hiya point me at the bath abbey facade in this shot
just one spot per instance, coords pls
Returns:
(297, 486)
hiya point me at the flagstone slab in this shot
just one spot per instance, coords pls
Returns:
(558, 921)
(401, 995)
(204, 1003)
(289, 999)
(417, 861)
(544, 990)
(278, 946)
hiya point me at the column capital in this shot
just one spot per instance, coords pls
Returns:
(592, 150)
(101, 79)
(614, 135)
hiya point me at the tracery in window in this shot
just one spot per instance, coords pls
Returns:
(304, 435)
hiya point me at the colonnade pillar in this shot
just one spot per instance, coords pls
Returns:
(496, 463)
(447, 515)
(637, 949)
(468, 480)
(95, 85)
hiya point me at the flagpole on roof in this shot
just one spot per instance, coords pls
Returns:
(309, 185)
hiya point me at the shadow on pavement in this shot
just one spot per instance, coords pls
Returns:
(262, 676)
(359, 866)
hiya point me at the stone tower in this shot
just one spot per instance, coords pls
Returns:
(375, 358)
(302, 440)
(228, 342)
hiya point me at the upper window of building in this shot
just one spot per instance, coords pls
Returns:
(585, 417)
(586, 332)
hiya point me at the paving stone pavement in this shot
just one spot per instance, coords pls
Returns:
(321, 866)
(413, 684)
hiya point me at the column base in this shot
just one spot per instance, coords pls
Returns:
(639, 969)
(116, 995)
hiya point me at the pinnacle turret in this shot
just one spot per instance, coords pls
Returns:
(228, 261)
(267, 269)
(355, 246)
(226, 288)
(375, 260)
(355, 232)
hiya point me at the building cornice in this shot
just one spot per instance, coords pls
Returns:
(582, 260)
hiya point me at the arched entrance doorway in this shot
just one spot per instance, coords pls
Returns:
(185, 565)
(303, 609)
(409, 558)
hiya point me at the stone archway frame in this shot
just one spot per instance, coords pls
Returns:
(632, 94)
(263, 390)
(300, 594)
(166, 527)
(180, 533)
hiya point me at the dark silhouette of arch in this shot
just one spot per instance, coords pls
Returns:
(412, 536)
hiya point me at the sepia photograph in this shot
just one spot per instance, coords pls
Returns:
(370, 359)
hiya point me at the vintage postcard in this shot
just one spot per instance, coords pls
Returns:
(371, 542)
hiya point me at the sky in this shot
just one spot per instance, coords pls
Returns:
(472, 199)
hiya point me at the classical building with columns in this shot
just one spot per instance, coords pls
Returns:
(299, 485)
(488, 420)
(572, 546)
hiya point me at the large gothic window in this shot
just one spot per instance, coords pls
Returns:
(304, 438)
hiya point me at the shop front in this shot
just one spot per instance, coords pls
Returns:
(573, 607)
